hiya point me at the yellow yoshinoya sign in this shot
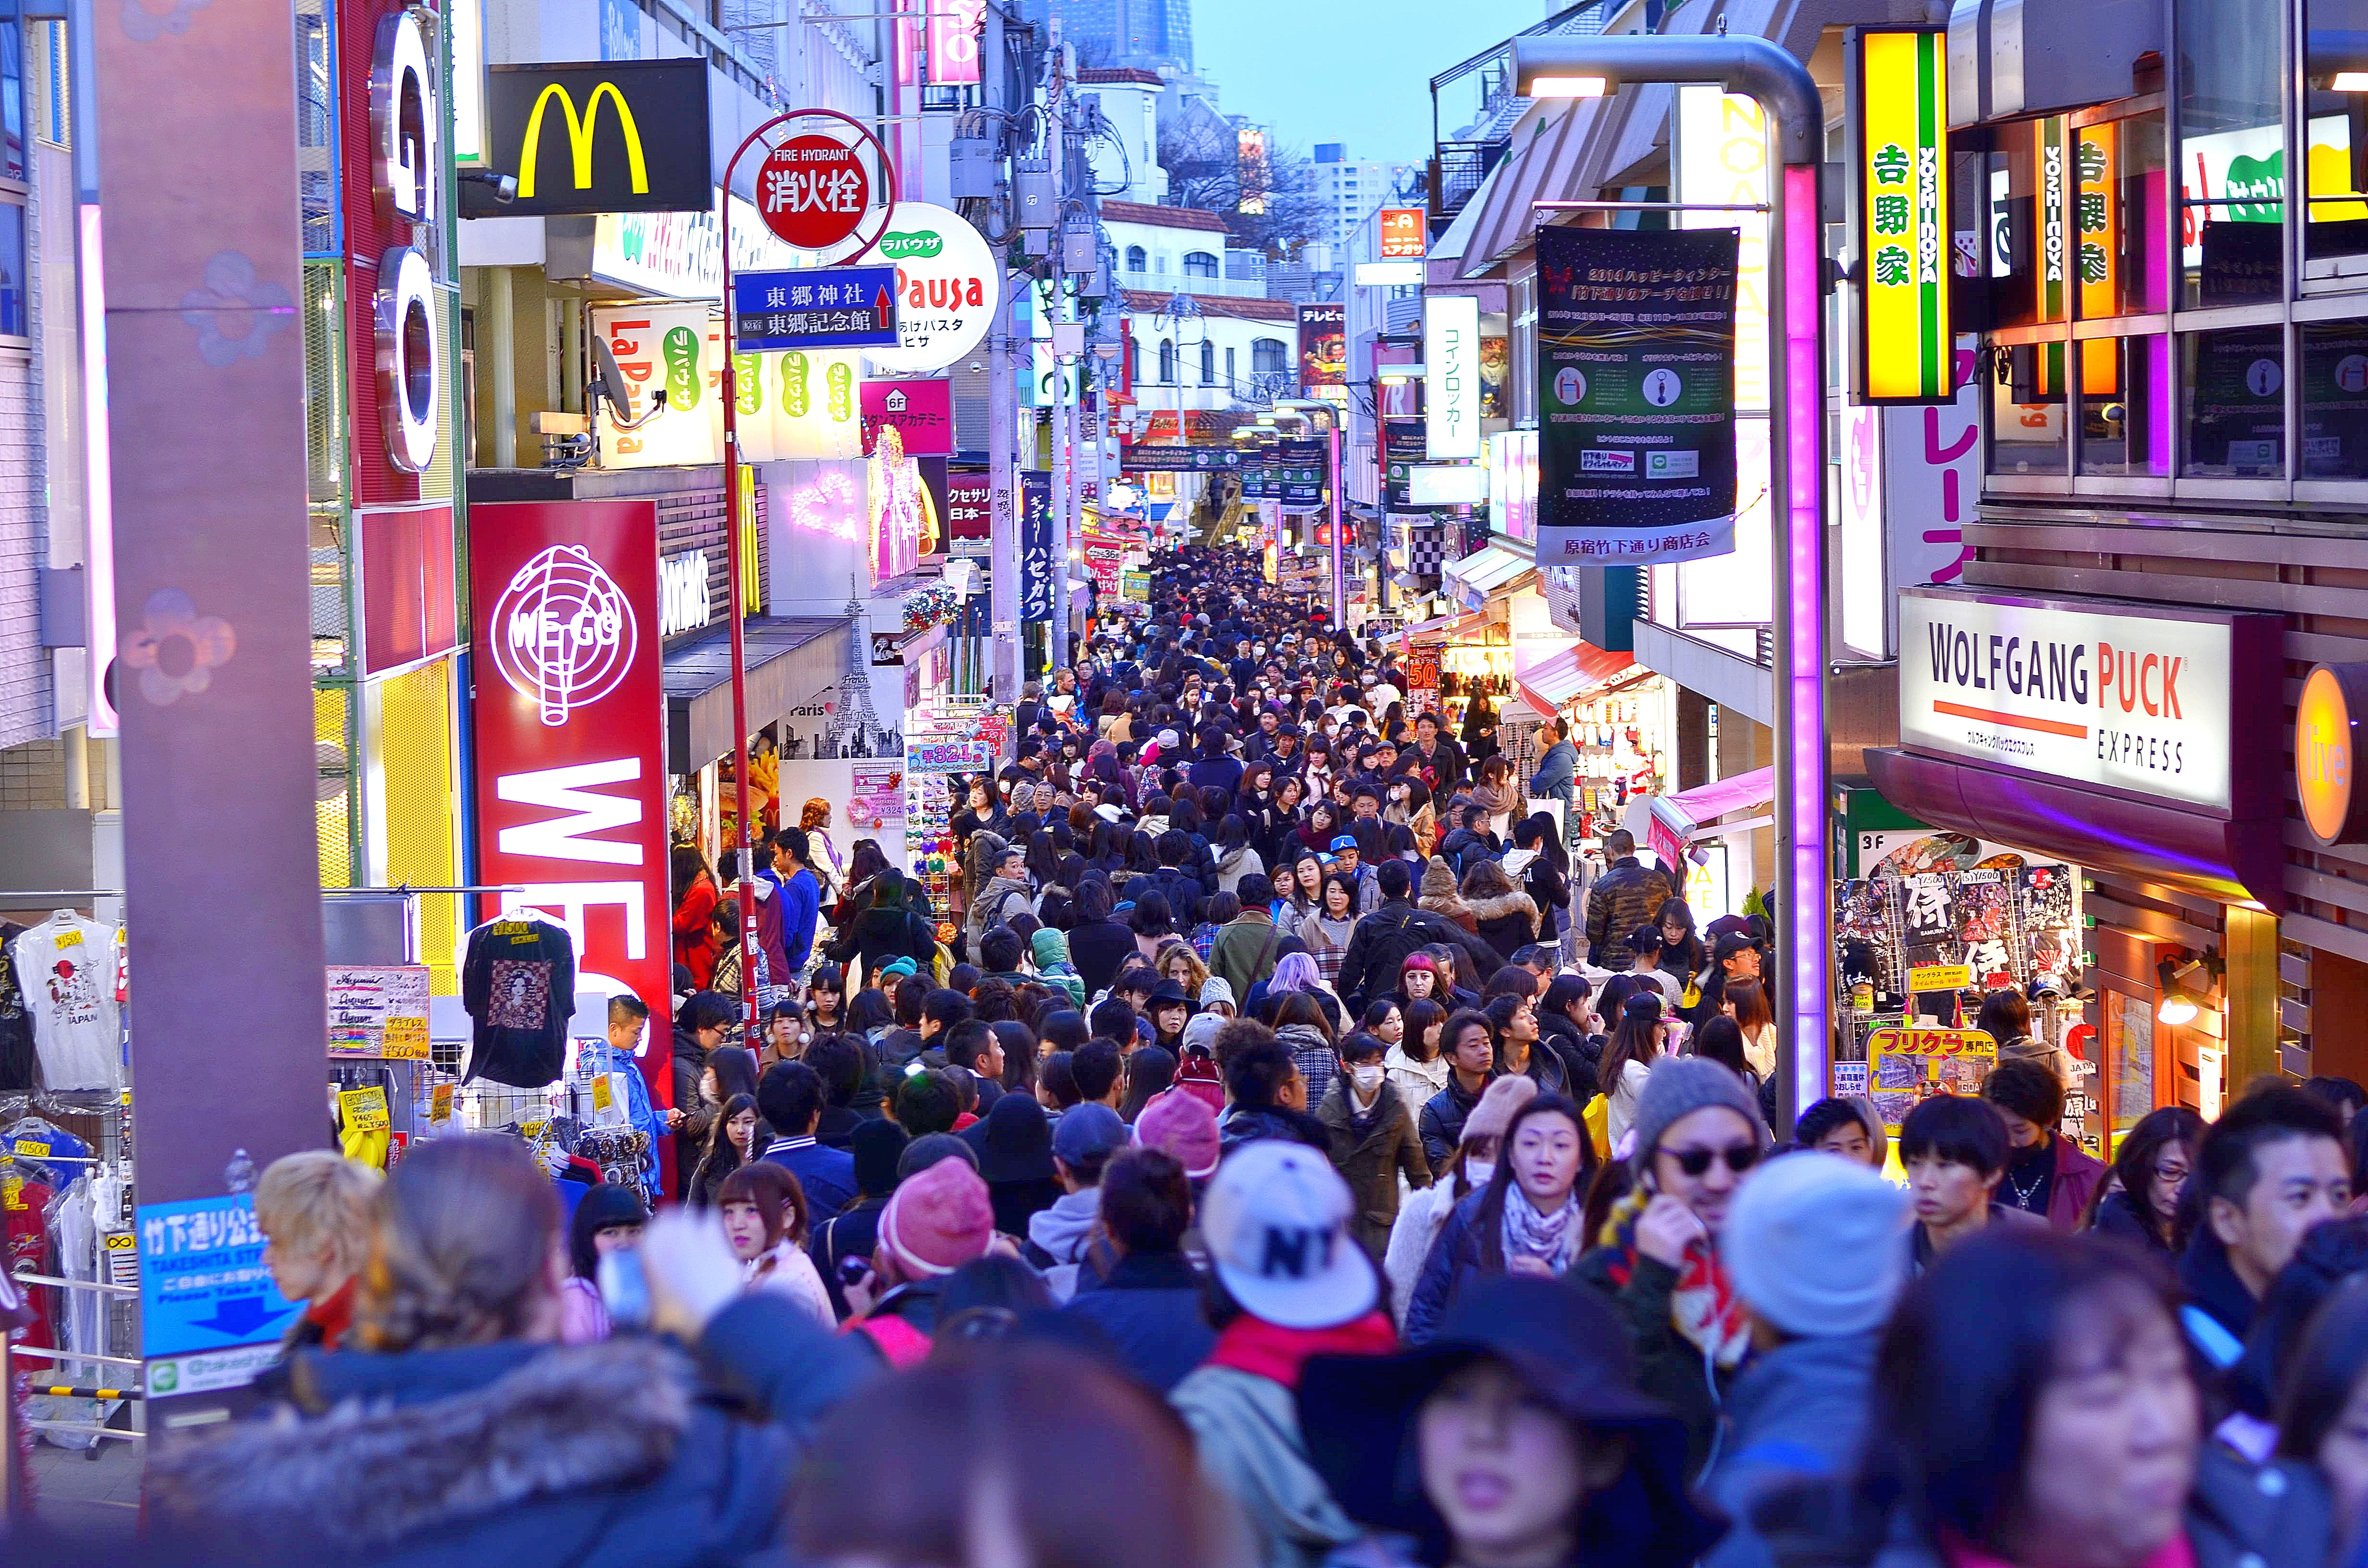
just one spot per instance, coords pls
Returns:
(1900, 172)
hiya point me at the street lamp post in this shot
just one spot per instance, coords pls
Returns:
(1590, 67)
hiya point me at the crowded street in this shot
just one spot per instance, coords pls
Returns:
(1027, 784)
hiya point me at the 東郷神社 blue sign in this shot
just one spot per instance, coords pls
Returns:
(833, 307)
(203, 1282)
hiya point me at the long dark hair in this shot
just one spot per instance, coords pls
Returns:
(1685, 959)
(1488, 1221)
(1539, 828)
(723, 1156)
(1631, 1039)
(2142, 1146)
(1419, 1017)
(1969, 1353)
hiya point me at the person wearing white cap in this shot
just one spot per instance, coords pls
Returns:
(1290, 1283)
(1813, 1244)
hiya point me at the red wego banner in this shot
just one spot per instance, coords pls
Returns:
(571, 737)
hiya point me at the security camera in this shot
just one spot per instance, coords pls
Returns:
(504, 186)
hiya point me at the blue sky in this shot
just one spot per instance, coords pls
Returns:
(1331, 71)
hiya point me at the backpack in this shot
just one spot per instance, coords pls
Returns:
(1196, 1075)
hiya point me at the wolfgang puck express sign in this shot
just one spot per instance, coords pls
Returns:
(2139, 699)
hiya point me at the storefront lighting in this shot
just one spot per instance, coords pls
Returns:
(2177, 1008)
(1391, 375)
(2349, 82)
(2186, 987)
(1567, 87)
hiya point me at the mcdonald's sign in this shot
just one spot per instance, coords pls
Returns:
(614, 136)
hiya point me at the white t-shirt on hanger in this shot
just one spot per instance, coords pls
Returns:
(66, 965)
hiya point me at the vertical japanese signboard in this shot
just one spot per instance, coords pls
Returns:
(1450, 357)
(1323, 346)
(1899, 170)
(1723, 162)
(570, 728)
(1036, 587)
(1636, 351)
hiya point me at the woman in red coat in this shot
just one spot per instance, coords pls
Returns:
(695, 946)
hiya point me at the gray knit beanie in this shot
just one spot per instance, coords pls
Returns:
(1680, 1084)
(1816, 1244)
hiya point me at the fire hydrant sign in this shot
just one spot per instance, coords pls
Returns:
(203, 1282)
(813, 192)
(378, 1010)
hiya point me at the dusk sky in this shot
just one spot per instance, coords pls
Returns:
(1337, 72)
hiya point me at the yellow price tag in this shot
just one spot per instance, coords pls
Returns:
(364, 1110)
(440, 1103)
(69, 938)
(1941, 977)
(603, 1097)
(405, 1037)
(28, 1146)
(11, 1192)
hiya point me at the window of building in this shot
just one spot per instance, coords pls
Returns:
(1136, 258)
(2334, 401)
(2235, 403)
(1208, 364)
(1268, 357)
(1166, 361)
(2335, 119)
(2125, 407)
(2232, 151)
(2027, 424)
(2115, 186)
(1230, 377)
(1199, 264)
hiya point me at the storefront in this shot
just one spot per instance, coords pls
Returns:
(2135, 749)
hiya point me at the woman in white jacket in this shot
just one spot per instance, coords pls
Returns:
(1423, 1212)
(1636, 1042)
(764, 1212)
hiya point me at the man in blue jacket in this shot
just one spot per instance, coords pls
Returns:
(789, 1096)
(1558, 774)
(801, 902)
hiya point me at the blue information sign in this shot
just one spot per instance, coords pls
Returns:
(202, 1283)
(833, 307)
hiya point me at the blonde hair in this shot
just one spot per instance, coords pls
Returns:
(466, 1229)
(1195, 977)
(316, 1198)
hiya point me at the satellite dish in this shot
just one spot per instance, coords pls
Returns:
(611, 383)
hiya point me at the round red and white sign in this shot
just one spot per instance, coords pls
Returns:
(813, 192)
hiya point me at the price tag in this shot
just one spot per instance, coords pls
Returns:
(69, 938)
(604, 1099)
(29, 1146)
(406, 1038)
(440, 1103)
(364, 1110)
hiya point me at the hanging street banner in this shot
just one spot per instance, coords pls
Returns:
(1037, 586)
(833, 307)
(1636, 372)
(1297, 468)
(1141, 458)
(1899, 205)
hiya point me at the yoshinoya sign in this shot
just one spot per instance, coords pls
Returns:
(2138, 699)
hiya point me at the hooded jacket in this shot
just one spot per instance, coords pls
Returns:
(881, 934)
(996, 902)
(1439, 896)
(1058, 1237)
(1507, 922)
(623, 1454)
(1246, 1429)
(1149, 1308)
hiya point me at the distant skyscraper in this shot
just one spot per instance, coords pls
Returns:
(1149, 33)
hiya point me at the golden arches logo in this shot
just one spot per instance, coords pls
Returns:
(579, 137)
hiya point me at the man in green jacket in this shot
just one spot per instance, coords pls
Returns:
(1245, 949)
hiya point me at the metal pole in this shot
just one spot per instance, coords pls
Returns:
(1332, 480)
(739, 642)
(1758, 68)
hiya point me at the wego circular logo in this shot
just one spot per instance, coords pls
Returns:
(562, 632)
(813, 192)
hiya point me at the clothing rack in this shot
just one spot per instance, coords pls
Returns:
(408, 888)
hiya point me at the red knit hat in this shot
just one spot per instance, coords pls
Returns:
(938, 1219)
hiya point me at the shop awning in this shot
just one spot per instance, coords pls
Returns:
(1552, 684)
(1446, 628)
(2229, 860)
(794, 662)
(1491, 569)
(1713, 800)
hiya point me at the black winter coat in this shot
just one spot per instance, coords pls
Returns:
(1149, 1309)
(1443, 1122)
(624, 1454)
(880, 937)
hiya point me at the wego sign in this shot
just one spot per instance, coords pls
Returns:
(407, 351)
(562, 632)
(571, 762)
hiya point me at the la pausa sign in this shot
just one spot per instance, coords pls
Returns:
(2133, 702)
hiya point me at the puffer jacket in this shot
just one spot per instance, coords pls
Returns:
(1627, 896)
(1797, 1412)
(622, 1454)
(1507, 922)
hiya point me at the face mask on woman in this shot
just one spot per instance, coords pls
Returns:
(1367, 1077)
(1478, 1172)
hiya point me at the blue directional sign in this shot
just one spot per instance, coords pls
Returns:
(202, 1283)
(831, 307)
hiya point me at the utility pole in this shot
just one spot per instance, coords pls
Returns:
(1002, 483)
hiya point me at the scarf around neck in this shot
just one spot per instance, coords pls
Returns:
(1553, 1239)
(1703, 1307)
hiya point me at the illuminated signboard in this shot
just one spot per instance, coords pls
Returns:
(1900, 171)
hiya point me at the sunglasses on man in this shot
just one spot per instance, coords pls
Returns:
(1739, 1158)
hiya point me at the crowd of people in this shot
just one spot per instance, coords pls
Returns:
(1279, 1155)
